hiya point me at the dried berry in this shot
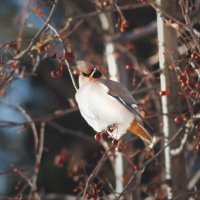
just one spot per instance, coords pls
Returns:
(164, 93)
(136, 167)
(69, 56)
(53, 74)
(129, 67)
(197, 86)
(115, 142)
(197, 127)
(126, 23)
(105, 3)
(118, 148)
(178, 119)
(197, 148)
(98, 137)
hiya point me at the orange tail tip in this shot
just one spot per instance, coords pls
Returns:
(141, 132)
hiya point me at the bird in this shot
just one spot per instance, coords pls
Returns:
(105, 103)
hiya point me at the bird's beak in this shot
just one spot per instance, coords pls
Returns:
(91, 78)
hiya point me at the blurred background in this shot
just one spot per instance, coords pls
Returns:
(70, 150)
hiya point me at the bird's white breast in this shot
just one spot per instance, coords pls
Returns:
(101, 110)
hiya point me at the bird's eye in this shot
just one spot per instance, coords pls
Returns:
(94, 73)
(97, 74)
(86, 75)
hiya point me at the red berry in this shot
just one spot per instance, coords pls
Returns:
(118, 148)
(125, 147)
(126, 24)
(53, 74)
(69, 56)
(76, 72)
(197, 127)
(13, 67)
(198, 95)
(197, 86)
(129, 67)
(105, 3)
(122, 29)
(61, 158)
(149, 79)
(136, 167)
(171, 21)
(59, 72)
(142, 1)
(195, 56)
(115, 142)
(97, 137)
(178, 119)
(192, 8)
(197, 147)
(183, 84)
(182, 78)
(164, 93)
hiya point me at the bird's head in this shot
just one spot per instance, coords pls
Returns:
(88, 71)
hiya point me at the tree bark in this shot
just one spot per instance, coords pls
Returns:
(167, 43)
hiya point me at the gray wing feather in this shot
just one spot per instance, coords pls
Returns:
(121, 94)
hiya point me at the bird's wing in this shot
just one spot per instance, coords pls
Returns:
(120, 93)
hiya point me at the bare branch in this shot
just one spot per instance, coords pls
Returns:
(184, 9)
(38, 157)
(107, 10)
(95, 171)
(25, 51)
(33, 127)
(65, 60)
(145, 164)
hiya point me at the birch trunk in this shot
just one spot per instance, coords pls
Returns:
(167, 43)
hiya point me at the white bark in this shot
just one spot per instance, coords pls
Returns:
(164, 99)
(114, 75)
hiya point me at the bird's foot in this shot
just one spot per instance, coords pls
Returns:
(112, 127)
(153, 142)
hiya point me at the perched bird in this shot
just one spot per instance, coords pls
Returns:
(104, 103)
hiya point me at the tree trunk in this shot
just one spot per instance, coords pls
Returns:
(113, 75)
(167, 43)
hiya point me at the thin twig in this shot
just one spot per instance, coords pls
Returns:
(11, 173)
(46, 118)
(32, 124)
(98, 12)
(22, 175)
(38, 157)
(25, 51)
(184, 10)
(95, 171)
(23, 17)
(149, 161)
(65, 61)
(185, 193)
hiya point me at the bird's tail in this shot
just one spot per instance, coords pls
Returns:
(137, 129)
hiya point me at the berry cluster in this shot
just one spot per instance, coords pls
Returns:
(122, 24)
(69, 55)
(142, 1)
(106, 3)
(58, 72)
